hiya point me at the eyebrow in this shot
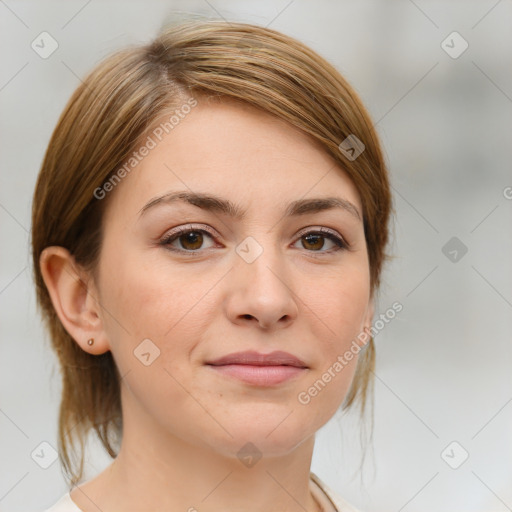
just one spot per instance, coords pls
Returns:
(217, 204)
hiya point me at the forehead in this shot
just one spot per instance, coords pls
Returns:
(233, 150)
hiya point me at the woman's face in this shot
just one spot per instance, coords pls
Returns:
(172, 303)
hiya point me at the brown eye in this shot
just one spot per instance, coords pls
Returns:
(314, 241)
(191, 240)
(186, 240)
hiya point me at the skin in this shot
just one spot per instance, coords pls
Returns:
(183, 422)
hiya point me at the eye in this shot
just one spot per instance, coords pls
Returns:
(189, 239)
(314, 240)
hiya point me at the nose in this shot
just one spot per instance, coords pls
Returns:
(261, 292)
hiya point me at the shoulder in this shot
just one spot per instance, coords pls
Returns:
(341, 504)
(65, 504)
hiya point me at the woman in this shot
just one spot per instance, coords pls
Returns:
(209, 229)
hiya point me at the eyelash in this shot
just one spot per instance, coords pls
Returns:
(326, 233)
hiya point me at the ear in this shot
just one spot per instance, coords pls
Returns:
(74, 298)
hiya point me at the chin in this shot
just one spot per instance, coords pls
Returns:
(269, 436)
(257, 447)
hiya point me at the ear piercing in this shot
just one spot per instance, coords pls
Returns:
(90, 342)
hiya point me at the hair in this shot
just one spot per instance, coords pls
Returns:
(106, 119)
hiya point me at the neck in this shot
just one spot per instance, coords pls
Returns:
(157, 471)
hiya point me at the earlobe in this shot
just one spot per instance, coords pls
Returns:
(71, 295)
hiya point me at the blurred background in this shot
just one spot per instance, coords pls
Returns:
(436, 77)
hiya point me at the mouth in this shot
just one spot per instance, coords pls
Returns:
(259, 369)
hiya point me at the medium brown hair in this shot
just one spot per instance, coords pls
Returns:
(104, 122)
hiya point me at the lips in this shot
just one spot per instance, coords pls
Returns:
(252, 358)
(260, 370)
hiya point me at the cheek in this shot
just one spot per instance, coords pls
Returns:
(339, 307)
(170, 308)
(153, 300)
(340, 301)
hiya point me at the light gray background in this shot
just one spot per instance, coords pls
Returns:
(444, 363)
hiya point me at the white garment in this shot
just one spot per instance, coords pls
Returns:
(65, 504)
(328, 499)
